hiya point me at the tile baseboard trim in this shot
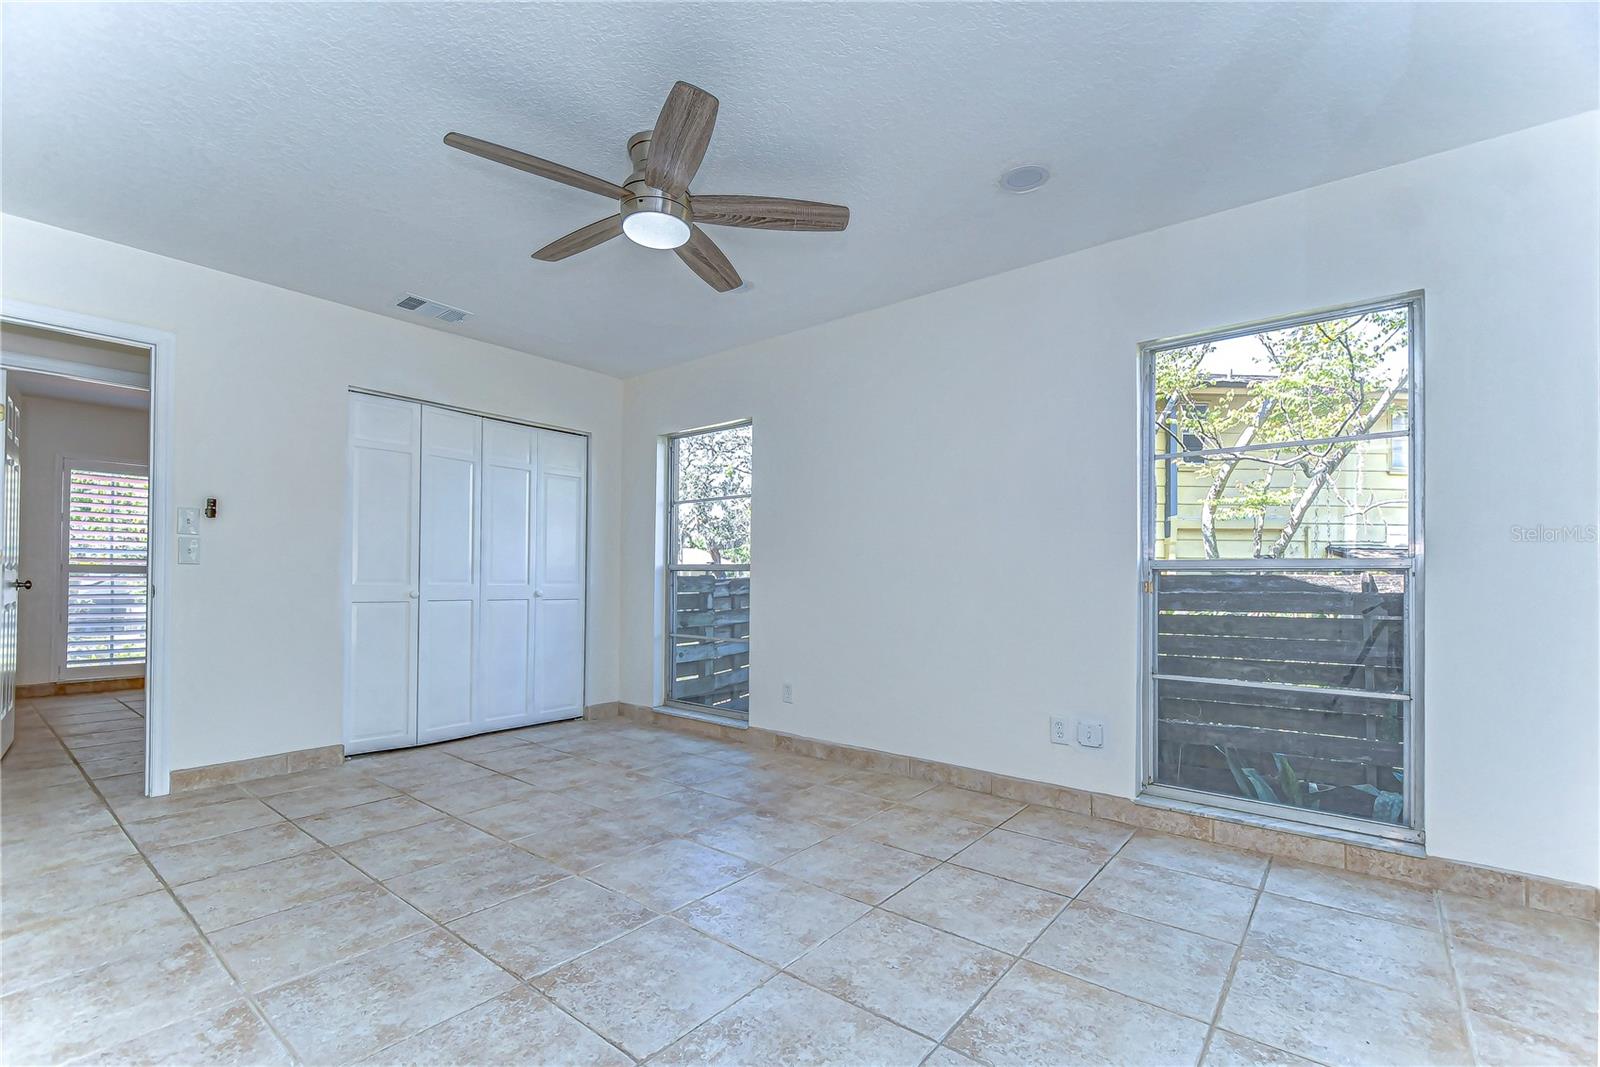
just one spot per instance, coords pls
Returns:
(38, 690)
(244, 770)
(1391, 860)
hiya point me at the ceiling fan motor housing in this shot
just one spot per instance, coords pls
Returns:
(642, 197)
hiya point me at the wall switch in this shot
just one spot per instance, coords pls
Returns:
(1091, 734)
(188, 521)
(188, 549)
(788, 692)
(1058, 731)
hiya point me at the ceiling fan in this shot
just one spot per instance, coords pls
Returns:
(656, 209)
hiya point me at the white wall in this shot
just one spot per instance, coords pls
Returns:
(946, 508)
(52, 430)
(261, 380)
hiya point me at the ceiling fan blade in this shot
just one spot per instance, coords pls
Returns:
(534, 165)
(596, 233)
(678, 142)
(707, 260)
(770, 213)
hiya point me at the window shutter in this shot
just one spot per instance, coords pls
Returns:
(107, 550)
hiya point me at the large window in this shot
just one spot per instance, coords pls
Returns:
(1281, 568)
(106, 561)
(708, 570)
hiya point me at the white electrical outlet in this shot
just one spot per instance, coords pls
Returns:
(788, 692)
(1092, 734)
(188, 549)
(1058, 731)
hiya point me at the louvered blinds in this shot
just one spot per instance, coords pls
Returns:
(107, 556)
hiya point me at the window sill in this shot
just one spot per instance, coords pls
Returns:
(701, 716)
(1288, 826)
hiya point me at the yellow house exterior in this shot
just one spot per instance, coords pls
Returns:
(1363, 511)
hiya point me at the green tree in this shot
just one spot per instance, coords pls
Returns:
(1334, 378)
(713, 478)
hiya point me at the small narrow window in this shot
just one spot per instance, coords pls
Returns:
(1195, 421)
(1399, 447)
(708, 570)
(106, 533)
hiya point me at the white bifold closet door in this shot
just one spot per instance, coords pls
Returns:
(380, 698)
(558, 575)
(494, 524)
(447, 617)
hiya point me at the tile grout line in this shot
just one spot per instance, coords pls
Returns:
(519, 981)
(687, 833)
(437, 924)
(244, 993)
(1463, 1013)
(1233, 965)
(434, 922)
(1019, 957)
(248, 994)
(833, 834)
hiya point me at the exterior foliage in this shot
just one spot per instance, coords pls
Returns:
(713, 484)
(1330, 379)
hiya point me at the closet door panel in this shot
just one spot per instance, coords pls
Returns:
(378, 675)
(449, 574)
(505, 674)
(558, 660)
(508, 443)
(504, 679)
(508, 528)
(381, 623)
(559, 576)
(444, 690)
(561, 547)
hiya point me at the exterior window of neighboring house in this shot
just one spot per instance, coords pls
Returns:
(1194, 419)
(707, 654)
(1280, 574)
(106, 532)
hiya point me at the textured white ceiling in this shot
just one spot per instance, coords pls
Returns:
(300, 144)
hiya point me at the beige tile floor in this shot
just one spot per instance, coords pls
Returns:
(601, 893)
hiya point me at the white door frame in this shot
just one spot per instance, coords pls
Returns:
(163, 354)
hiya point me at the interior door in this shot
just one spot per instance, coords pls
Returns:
(559, 547)
(10, 550)
(505, 654)
(381, 643)
(447, 660)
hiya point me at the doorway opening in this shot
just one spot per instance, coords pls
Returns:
(83, 493)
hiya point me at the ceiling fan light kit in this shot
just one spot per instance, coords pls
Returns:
(655, 208)
(650, 216)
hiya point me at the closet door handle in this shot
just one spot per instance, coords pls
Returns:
(412, 593)
(537, 593)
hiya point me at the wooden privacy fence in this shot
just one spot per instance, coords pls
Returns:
(1314, 630)
(711, 639)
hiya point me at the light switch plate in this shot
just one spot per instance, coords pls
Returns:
(188, 521)
(188, 549)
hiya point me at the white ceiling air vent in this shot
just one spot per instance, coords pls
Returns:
(433, 309)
